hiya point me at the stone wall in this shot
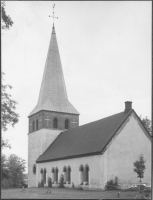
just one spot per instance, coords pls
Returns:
(125, 149)
(38, 142)
(94, 163)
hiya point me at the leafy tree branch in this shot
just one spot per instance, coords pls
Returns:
(6, 20)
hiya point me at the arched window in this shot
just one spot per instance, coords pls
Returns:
(34, 169)
(37, 124)
(69, 174)
(86, 177)
(53, 170)
(33, 126)
(55, 123)
(64, 172)
(81, 169)
(66, 124)
(56, 174)
(53, 174)
(44, 175)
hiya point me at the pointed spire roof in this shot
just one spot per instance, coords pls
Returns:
(53, 94)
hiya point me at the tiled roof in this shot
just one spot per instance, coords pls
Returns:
(88, 139)
(53, 95)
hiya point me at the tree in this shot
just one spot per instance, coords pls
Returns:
(14, 168)
(140, 167)
(147, 123)
(4, 170)
(8, 114)
(6, 20)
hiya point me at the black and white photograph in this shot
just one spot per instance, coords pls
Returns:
(76, 99)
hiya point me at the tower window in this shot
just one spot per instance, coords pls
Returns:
(66, 124)
(33, 126)
(37, 124)
(34, 169)
(55, 123)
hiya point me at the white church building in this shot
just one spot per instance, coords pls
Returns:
(87, 155)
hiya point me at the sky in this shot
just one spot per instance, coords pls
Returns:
(105, 50)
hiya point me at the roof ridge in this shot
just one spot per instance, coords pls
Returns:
(95, 121)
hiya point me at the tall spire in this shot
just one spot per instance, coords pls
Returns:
(53, 95)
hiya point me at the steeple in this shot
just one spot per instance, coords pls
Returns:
(53, 94)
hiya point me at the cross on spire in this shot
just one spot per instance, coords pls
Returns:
(53, 15)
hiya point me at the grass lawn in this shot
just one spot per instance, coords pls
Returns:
(64, 193)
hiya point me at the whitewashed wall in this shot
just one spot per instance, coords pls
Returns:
(38, 142)
(125, 149)
(94, 163)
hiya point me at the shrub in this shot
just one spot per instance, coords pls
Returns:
(39, 184)
(5, 183)
(42, 183)
(80, 188)
(61, 182)
(112, 184)
(49, 182)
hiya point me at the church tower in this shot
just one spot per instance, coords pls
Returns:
(53, 113)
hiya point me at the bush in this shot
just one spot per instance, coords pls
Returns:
(80, 188)
(39, 184)
(42, 183)
(5, 183)
(61, 182)
(49, 182)
(112, 184)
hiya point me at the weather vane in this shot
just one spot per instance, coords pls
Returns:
(53, 15)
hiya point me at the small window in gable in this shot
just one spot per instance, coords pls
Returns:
(55, 123)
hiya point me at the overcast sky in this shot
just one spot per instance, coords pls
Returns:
(105, 49)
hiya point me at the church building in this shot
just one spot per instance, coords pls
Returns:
(87, 155)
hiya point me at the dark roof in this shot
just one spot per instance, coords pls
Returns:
(85, 140)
